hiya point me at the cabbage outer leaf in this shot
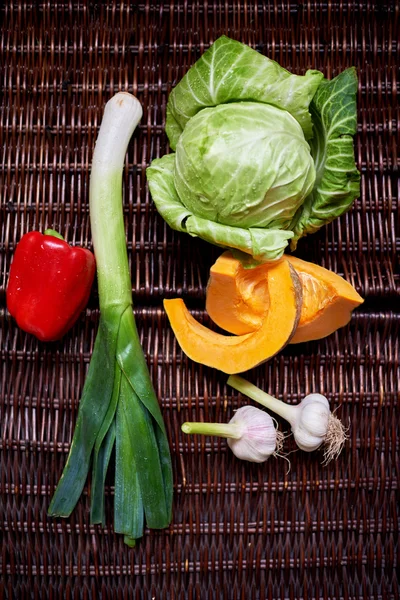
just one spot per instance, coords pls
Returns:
(263, 244)
(337, 182)
(229, 72)
(160, 175)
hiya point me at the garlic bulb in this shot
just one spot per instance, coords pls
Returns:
(259, 435)
(251, 434)
(312, 422)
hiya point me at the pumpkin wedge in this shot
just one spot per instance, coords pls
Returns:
(235, 354)
(238, 298)
(328, 301)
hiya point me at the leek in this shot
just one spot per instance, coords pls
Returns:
(118, 405)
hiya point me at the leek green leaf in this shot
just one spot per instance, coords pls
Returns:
(93, 407)
(102, 454)
(128, 504)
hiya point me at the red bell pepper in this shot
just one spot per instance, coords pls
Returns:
(49, 284)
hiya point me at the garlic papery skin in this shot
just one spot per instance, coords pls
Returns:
(251, 434)
(312, 422)
(259, 435)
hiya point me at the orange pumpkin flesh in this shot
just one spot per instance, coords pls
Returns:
(235, 354)
(328, 301)
(237, 298)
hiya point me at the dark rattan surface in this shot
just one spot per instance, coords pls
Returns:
(239, 530)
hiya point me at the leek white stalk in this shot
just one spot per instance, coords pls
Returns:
(121, 116)
(118, 405)
(250, 434)
(312, 422)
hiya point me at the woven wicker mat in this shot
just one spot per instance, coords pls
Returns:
(239, 530)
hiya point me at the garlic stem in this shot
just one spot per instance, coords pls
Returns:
(252, 391)
(225, 430)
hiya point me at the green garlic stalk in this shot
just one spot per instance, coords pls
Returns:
(118, 406)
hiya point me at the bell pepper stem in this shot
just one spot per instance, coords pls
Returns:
(53, 233)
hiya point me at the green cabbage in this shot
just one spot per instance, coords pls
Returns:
(237, 164)
(248, 173)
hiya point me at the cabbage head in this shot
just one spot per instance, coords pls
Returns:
(262, 156)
